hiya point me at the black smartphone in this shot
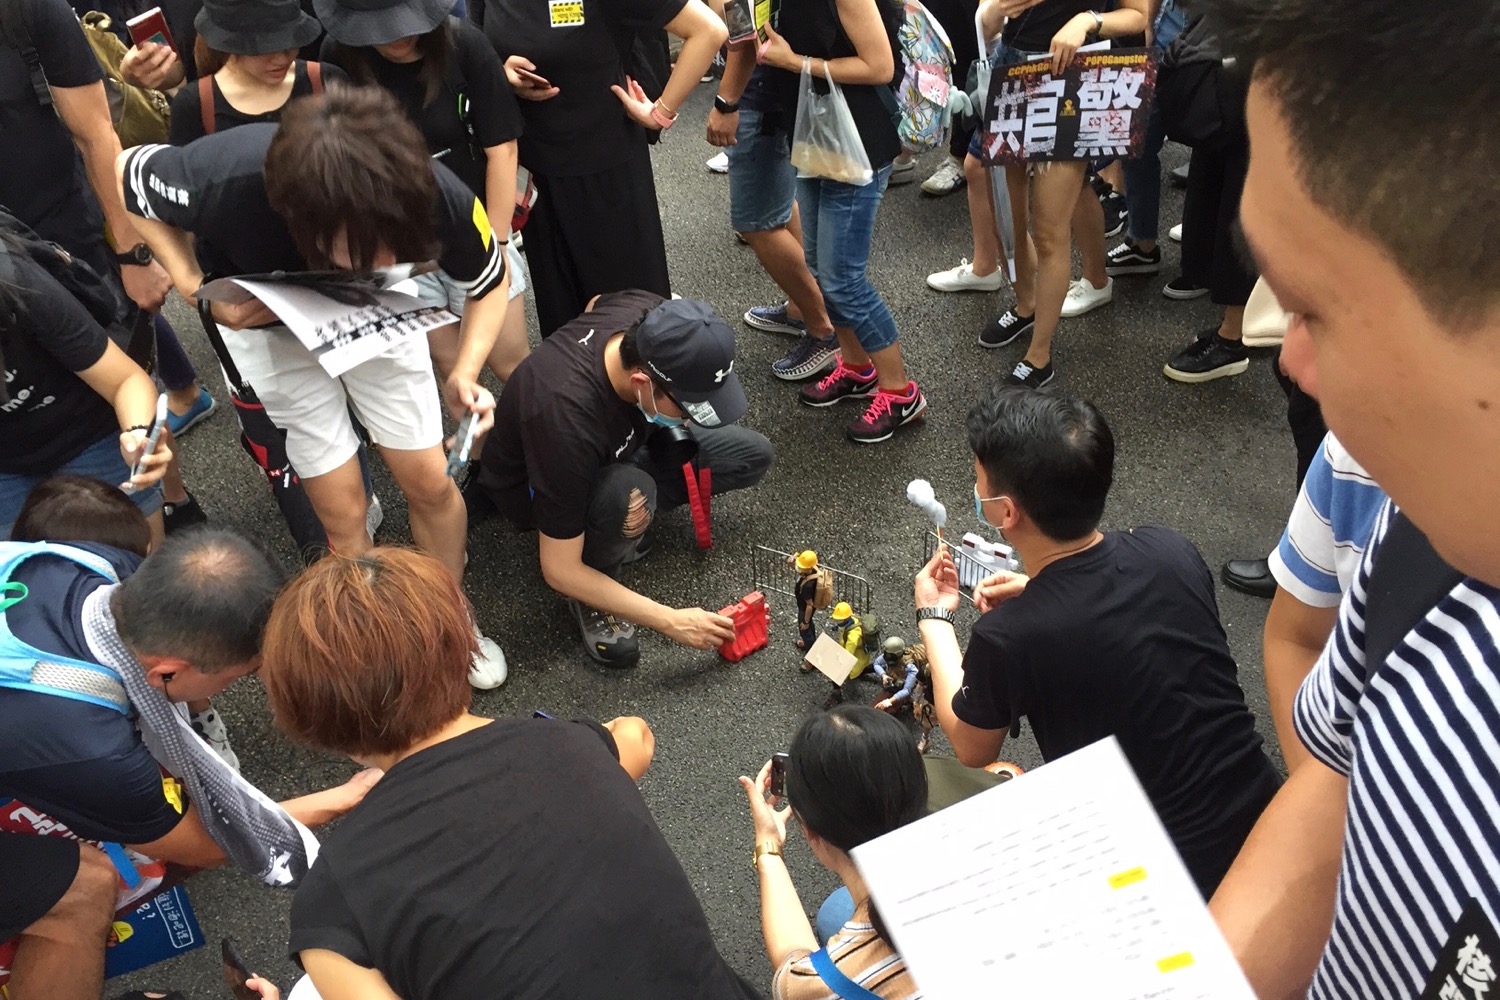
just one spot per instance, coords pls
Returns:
(236, 972)
(778, 774)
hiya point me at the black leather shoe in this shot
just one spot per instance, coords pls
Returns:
(1250, 576)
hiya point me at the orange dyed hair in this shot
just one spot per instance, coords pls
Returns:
(369, 655)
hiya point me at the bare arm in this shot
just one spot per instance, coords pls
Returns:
(337, 978)
(783, 921)
(702, 32)
(1294, 638)
(974, 747)
(872, 62)
(133, 395)
(1275, 907)
(500, 187)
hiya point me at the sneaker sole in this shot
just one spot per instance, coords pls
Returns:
(870, 394)
(1007, 341)
(1116, 270)
(1172, 293)
(966, 288)
(1086, 309)
(944, 192)
(1110, 234)
(761, 324)
(915, 415)
(800, 375)
(1192, 378)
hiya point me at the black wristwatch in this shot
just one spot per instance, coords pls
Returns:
(139, 255)
(926, 614)
(724, 107)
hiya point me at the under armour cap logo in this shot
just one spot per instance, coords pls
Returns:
(722, 373)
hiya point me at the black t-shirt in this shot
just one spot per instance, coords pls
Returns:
(559, 422)
(812, 28)
(179, 15)
(576, 46)
(52, 414)
(475, 83)
(42, 180)
(79, 763)
(215, 188)
(517, 859)
(1032, 31)
(187, 107)
(1124, 639)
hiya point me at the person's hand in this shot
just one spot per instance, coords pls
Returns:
(264, 987)
(777, 53)
(769, 822)
(1068, 40)
(153, 66)
(240, 315)
(937, 585)
(353, 791)
(993, 591)
(132, 443)
(637, 105)
(146, 284)
(722, 128)
(525, 88)
(464, 396)
(1012, 8)
(884, 704)
(698, 629)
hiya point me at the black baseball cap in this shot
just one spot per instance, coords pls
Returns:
(689, 351)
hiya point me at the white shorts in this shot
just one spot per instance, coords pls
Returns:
(437, 289)
(395, 396)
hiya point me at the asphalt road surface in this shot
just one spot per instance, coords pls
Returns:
(1213, 461)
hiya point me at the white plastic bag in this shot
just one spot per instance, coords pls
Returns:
(825, 141)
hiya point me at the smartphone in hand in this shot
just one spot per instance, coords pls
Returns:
(463, 444)
(150, 26)
(153, 438)
(236, 972)
(778, 774)
(535, 79)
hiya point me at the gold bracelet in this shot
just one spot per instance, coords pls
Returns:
(764, 849)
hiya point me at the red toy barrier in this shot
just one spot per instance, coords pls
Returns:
(752, 619)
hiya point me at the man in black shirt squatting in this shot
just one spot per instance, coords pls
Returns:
(567, 457)
(1115, 633)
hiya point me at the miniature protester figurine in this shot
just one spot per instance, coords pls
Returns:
(904, 676)
(807, 597)
(846, 628)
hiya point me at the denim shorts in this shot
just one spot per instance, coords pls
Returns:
(100, 460)
(762, 180)
(999, 56)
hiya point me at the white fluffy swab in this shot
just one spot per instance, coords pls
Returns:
(919, 492)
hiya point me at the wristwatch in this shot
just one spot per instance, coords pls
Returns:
(762, 849)
(724, 107)
(1098, 23)
(942, 614)
(139, 255)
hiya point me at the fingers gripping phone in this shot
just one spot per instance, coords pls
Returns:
(236, 972)
(463, 443)
(150, 26)
(535, 79)
(778, 774)
(153, 438)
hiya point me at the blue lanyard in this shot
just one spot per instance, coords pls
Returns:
(835, 980)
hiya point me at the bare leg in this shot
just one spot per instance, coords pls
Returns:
(889, 368)
(1055, 193)
(338, 498)
(511, 346)
(1233, 326)
(179, 401)
(61, 956)
(1114, 176)
(1019, 186)
(439, 522)
(1088, 233)
(780, 253)
(986, 259)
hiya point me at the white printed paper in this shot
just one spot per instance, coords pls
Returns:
(1061, 882)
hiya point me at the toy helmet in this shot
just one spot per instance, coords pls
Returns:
(894, 646)
(807, 560)
(842, 612)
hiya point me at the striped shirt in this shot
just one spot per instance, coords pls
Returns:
(1329, 527)
(1419, 738)
(860, 954)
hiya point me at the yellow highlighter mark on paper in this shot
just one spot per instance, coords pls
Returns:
(1172, 963)
(1128, 877)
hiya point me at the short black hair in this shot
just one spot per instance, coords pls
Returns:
(1390, 107)
(203, 596)
(1053, 455)
(79, 509)
(630, 352)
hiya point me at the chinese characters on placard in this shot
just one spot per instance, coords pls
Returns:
(1096, 109)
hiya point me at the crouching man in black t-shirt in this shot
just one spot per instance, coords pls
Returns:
(1114, 634)
(566, 455)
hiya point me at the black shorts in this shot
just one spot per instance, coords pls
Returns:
(35, 873)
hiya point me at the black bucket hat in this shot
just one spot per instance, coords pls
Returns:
(362, 23)
(255, 27)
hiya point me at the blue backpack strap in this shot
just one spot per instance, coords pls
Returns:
(835, 979)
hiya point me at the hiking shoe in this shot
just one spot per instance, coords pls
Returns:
(1115, 214)
(488, 670)
(203, 407)
(1084, 298)
(1127, 258)
(1027, 374)
(1182, 289)
(841, 383)
(774, 319)
(888, 411)
(1005, 328)
(946, 179)
(963, 279)
(609, 640)
(1207, 358)
(718, 164)
(210, 726)
(809, 356)
(1175, 233)
(183, 515)
(903, 171)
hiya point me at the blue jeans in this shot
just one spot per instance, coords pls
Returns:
(762, 180)
(100, 460)
(838, 221)
(1143, 182)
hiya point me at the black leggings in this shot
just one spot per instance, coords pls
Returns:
(1211, 254)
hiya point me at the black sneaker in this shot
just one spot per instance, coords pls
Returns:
(1127, 258)
(183, 515)
(1182, 289)
(1027, 374)
(1115, 214)
(609, 640)
(1207, 358)
(1005, 328)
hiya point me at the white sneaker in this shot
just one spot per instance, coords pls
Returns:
(963, 279)
(946, 179)
(488, 670)
(210, 727)
(718, 164)
(903, 170)
(1175, 233)
(374, 517)
(1083, 297)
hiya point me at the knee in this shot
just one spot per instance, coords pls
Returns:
(430, 491)
(974, 171)
(89, 903)
(637, 514)
(1052, 240)
(634, 742)
(624, 503)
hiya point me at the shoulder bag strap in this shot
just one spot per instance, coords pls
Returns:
(1407, 580)
(206, 103)
(315, 76)
(835, 980)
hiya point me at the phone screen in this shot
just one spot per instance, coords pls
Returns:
(778, 774)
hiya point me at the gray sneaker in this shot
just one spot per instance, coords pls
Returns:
(609, 640)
